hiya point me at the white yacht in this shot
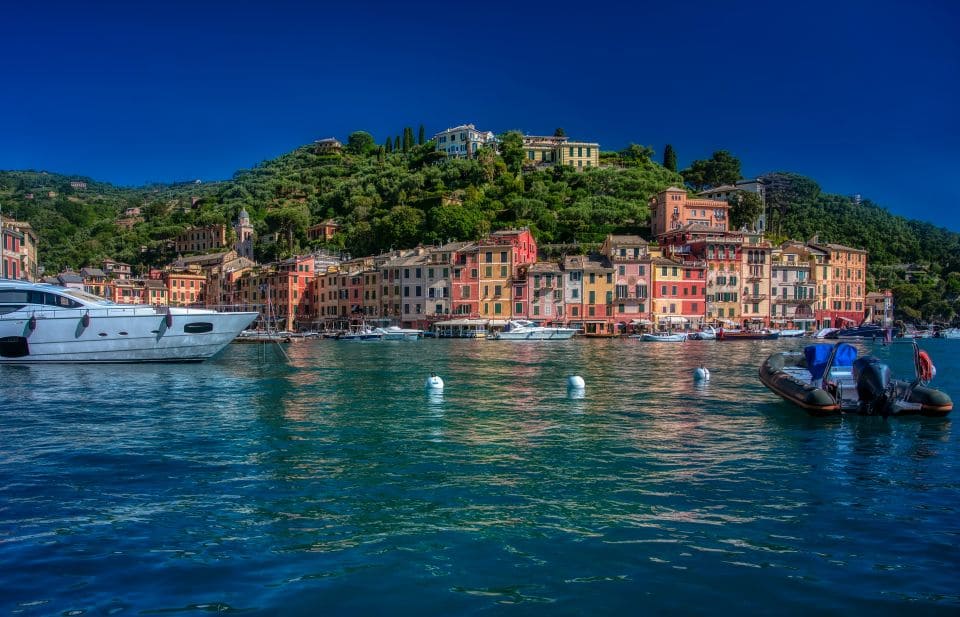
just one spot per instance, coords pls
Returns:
(46, 323)
(523, 330)
(396, 333)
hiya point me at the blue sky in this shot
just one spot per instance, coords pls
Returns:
(860, 96)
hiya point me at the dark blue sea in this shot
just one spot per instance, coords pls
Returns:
(333, 484)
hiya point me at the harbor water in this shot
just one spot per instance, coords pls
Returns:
(334, 483)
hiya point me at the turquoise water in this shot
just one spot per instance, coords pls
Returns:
(334, 484)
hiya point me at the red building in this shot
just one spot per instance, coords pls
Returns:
(10, 266)
(679, 293)
(465, 282)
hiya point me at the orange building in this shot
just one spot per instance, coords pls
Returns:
(842, 281)
(672, 209)
(185, 287)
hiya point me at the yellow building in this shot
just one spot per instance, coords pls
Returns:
(495, 273)
(589, 294)
(547, 151)
(842, 281)
(757, 258)
(579, 154)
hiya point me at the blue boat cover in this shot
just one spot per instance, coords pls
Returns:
(817, 356)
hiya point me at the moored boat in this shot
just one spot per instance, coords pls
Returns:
(747, 335)
(664, 337)
(524, 330)
(396, 333)
(868, 332)
(260, 336)
(47, 323)
(950, 333)
(829, 379)
(361, 333)
(707, 334)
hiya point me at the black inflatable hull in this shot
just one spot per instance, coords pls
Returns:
(921, 400)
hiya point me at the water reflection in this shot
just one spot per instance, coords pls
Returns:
(338, 471)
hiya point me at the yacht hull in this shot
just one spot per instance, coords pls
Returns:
(117, 336)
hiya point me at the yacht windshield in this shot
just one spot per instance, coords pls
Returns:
(86, 297)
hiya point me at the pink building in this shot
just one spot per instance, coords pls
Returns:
(672, 209)
(630, 259)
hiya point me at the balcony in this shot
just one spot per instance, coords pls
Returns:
(752, 297)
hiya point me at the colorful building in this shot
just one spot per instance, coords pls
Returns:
(842, 279)
(588, 294)
(792, 288)
(29, 267)
(462, 142)
(756, 260)
(185, 286)
(11, 258)
(200, 239)
(727, 192)
(547, 151)
(500, 256)
(544, 292)
(631, 261)
(465, 284)
(679, 293)
(672, 209)
(722, 252)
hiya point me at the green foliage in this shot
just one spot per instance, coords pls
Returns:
(360, 143)
(745, 208)
(634, 154)
(421, 136)
(721, 168)
(559, 133)
(400, 199)
(669, 158)
(511, 150)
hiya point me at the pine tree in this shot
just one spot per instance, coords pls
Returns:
(421, 136)
(670, 158)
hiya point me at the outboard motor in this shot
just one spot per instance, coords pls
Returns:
(873, 384)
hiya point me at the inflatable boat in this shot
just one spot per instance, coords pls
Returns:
(830, 379)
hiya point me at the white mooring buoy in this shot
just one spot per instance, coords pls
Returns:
(701, 373)
(434, 382)
(575, 382)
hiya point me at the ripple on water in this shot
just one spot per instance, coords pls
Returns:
(337, 481)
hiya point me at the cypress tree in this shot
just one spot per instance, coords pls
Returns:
(407, 138)
(421, 136)
(396, 144)
(388, 147)
(670, 158)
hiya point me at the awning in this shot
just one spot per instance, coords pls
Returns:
(641, 322)
(847, 319)
(461, 322)
(674, 319)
